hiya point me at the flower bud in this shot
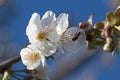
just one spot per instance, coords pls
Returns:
(107, 31)
(99, 25)
(83, 25)
(109, 46)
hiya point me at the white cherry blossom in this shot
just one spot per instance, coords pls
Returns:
(31, 57)
(72, 40)
(46, 32)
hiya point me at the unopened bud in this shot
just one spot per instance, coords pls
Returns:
(108, 47)
(99, 25)
(107, 31)
(83, 25)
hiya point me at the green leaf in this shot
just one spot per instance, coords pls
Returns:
(99, 25)
(108, 47)
(110, 18)
(117, 12)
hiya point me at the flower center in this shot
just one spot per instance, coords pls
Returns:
(41, 35)
(34, 56)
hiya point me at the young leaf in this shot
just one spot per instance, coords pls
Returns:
(110, 18)
(99, 25)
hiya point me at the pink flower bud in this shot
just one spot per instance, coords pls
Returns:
(107, 31)
(83, 25)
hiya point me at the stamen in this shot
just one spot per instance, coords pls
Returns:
(41, 35)
(34, 56)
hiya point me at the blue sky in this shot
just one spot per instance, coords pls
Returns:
(78, 10)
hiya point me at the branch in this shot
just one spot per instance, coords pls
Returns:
(7, 63)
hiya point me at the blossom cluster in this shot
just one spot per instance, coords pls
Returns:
(48, 34)
(110, 31)
(105, 33)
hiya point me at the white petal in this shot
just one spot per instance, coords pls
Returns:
(60, 46)
(35, 19)
(31, 32)
(62, 23)
(52, 33)
(82, 37)
(69, 45)
(25, 51)
(70, 32)
(27, 60)
(48, 48)
(74, 46)
(66, 38)
(47, 19)
(43, 60)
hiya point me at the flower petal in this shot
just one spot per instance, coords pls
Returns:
(47, 19)
(31, 32)
(33, 28)
(70, 32)
(30, 60)
(60, 46)
(71, 45)
(52, 33)
(43, 60)
(66, 38)
(35, 19)
(62, 21)
(48, 48)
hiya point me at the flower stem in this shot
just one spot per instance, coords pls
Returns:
(18, 70)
